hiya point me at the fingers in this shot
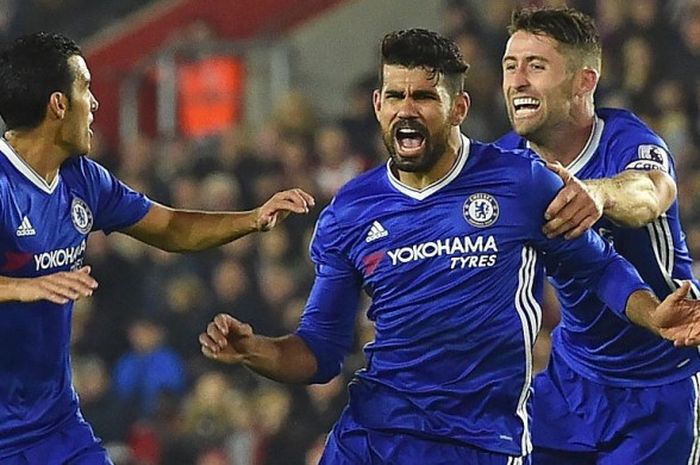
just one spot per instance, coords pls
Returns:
(209, 347)
(573, 211)
(224, 326)
(561, 200)
(225, 339)
(295, 200)
(280, 205)
(570, 223)
(60, 287)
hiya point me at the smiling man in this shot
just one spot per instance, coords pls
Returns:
(446, 240)
(613, 393)
(51, 197)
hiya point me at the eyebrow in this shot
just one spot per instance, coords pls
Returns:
(528, 58)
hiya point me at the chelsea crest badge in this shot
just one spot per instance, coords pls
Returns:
(81, 215)
(481, 210)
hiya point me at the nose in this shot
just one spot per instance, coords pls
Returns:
(407, 108)
(94, 104)
(516, 78)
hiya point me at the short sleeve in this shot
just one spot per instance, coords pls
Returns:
(118, 206)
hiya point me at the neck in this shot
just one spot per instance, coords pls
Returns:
(440, 169)
(38, 149)
(565, 143)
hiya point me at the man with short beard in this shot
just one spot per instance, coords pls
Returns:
(446, 240)
(612, 393)
(52, 196)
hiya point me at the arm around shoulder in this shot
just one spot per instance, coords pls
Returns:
(634, 198)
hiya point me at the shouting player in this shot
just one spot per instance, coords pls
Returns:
(446, 239)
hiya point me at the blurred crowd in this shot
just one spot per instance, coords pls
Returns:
(143, 384)
(76, 18)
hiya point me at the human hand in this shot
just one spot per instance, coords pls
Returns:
(575, 208)
(280, 205)
(678, 318)
(58, 288)
(226, 339)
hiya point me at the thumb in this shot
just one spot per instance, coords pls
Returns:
(239, 328)
(86, 269)
(559, 170)
(682, 292)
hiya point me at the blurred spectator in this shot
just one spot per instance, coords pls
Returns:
(150, 369)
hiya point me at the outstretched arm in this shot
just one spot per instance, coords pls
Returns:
(58, 288)
(676, 318)
(634, 198)
(631, 199)
(285, 359)
(186, 231)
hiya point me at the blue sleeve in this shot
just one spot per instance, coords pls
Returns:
(589, 259)
(638, 148)
(118, 206)
(328, 322)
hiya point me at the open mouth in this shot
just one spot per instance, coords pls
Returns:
(409, 141)
(525, 106)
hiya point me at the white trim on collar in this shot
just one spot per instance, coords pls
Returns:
(24, 168)
(421, 194)
(589, 149)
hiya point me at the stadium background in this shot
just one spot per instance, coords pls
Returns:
(217, 104)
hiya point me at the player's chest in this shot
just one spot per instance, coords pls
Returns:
(468, 231)
(44, 232)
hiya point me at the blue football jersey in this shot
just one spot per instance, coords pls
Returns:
(455, 278)
(591, 338)
(44, 229)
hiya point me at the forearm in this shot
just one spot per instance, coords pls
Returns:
(285, 359)
(193, 231)
(9, 289)
(188, 231)
(634, 198)
(640, 307)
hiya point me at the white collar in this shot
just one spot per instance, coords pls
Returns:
(588, 150)
(24, 168)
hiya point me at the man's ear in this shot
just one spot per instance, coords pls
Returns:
(377, 102)
(57, 106)
(460, 109)
(587, 82)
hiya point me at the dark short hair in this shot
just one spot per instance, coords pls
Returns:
(571, 28)
(420, 48)
(32, 68)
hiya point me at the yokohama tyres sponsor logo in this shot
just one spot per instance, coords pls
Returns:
(60, 257)
(452, 246)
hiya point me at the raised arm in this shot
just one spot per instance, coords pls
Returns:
(630, 199)
(185, 231)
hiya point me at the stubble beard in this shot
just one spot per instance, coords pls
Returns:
(431, 155)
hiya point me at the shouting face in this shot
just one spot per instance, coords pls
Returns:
(416, 114)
